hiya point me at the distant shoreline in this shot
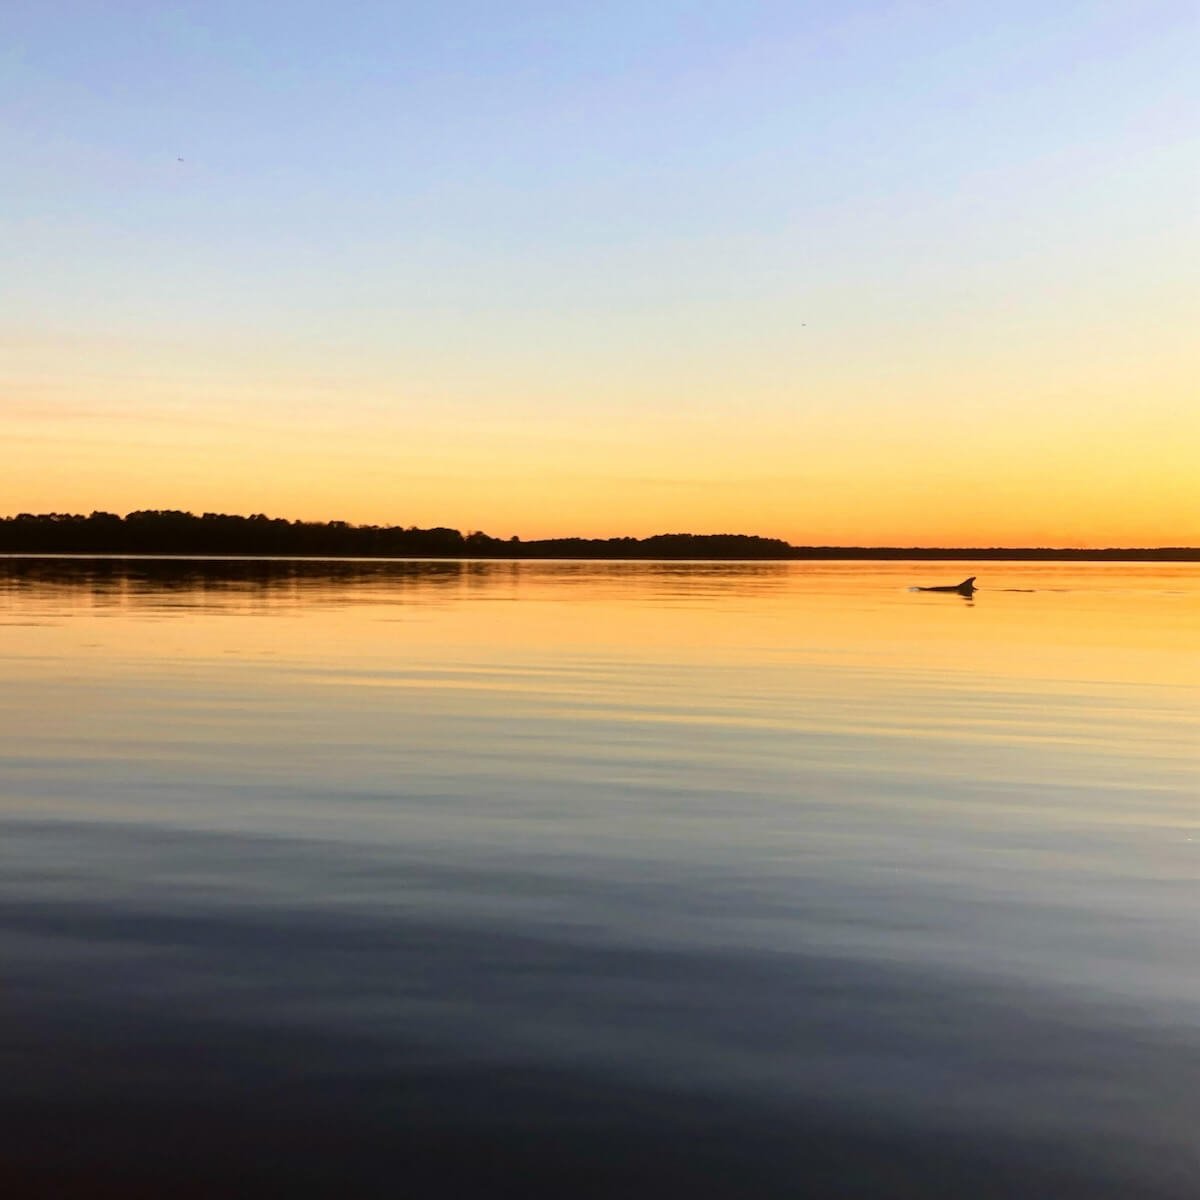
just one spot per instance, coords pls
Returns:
(803, 554)
(173, 534)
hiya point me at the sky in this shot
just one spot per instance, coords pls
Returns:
(842, 273)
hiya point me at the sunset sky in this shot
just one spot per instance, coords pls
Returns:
(861, 273)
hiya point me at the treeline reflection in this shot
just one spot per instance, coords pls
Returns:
(118, 581)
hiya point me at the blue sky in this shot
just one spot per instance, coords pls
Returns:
(792, 217)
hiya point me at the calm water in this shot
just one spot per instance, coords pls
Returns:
(603, 879)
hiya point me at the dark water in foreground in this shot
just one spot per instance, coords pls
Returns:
(458, 879)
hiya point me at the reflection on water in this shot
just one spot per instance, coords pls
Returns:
(386, 878)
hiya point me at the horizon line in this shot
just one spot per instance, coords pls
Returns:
(479, 537)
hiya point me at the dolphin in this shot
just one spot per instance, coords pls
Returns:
(963, 589)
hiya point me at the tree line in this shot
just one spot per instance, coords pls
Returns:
(168, 531)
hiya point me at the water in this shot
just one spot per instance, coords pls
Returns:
(599, 879)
